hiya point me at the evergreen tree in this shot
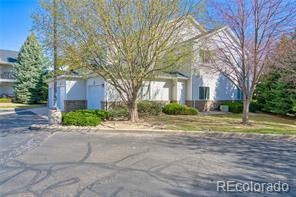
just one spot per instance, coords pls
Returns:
(30, 70)
(276, 93)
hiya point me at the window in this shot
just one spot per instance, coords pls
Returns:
(206, 56)
(204, 93)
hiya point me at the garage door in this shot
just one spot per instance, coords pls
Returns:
(181, 94)
(95, 95)
(60, 97)
(50, 97)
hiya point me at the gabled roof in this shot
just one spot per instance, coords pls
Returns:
(174, 74)
(7, 56)
(208, 33)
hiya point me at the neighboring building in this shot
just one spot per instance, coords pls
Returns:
(7, 58)
(194, 85)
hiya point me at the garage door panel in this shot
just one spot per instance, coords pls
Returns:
(95, 96)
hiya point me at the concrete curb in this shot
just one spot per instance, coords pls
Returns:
(217, 134)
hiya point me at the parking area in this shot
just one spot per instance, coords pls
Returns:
(130, 164)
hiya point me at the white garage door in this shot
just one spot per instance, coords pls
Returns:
(60, 97)
(50, 97)
(95, 95)
(181, 95)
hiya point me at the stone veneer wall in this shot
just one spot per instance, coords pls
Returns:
(107, 105)
(72, 105)
(208, 105)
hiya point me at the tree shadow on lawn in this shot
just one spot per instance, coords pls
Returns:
(256, 160)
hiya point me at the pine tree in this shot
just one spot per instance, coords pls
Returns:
(276, 93)
(29, 71)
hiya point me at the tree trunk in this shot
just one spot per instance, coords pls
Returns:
(133, 111)
(246, 104)
(55, 52)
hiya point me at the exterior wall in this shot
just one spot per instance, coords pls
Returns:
(208, 105)
(220, 87)
(61, 85)
(161, 90)
(6, 89)
(96, 81)
(5, 68)
(189, 30)
(6, 80)
(75, 89)
(72, 105)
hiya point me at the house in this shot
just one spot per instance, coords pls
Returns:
(196, 85)
(7, 58)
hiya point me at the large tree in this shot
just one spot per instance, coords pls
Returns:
(29, 71)
(126, 42)
(46, 23)
(245, 50)
(276, 92)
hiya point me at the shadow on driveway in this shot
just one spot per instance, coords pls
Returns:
(251, 160)
(20, 120)
(174, 165)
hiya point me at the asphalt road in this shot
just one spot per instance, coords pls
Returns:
(114, 164)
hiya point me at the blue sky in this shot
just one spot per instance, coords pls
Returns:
(15, 22)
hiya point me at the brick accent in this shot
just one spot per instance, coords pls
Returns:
(72, 105)
(206, 105)
(107, 105)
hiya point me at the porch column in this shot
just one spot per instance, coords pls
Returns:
(174, 98)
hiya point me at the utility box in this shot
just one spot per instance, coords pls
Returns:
(224, 108)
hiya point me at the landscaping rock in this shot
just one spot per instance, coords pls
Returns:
(54, 117)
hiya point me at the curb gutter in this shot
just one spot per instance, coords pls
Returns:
(218, 134)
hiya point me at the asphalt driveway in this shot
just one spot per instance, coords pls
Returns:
(117, 164)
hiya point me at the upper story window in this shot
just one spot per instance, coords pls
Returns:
(204, 93)
(206, 55)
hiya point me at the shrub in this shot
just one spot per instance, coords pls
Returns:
(237, 106)
(190, 111)
(234, 106)
(80, 119)
(118, 112)
(177, 109)
(255, 106)
(99, 113)
(5, 100)
(149, 108)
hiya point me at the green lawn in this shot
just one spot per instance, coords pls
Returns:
(259, 123)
